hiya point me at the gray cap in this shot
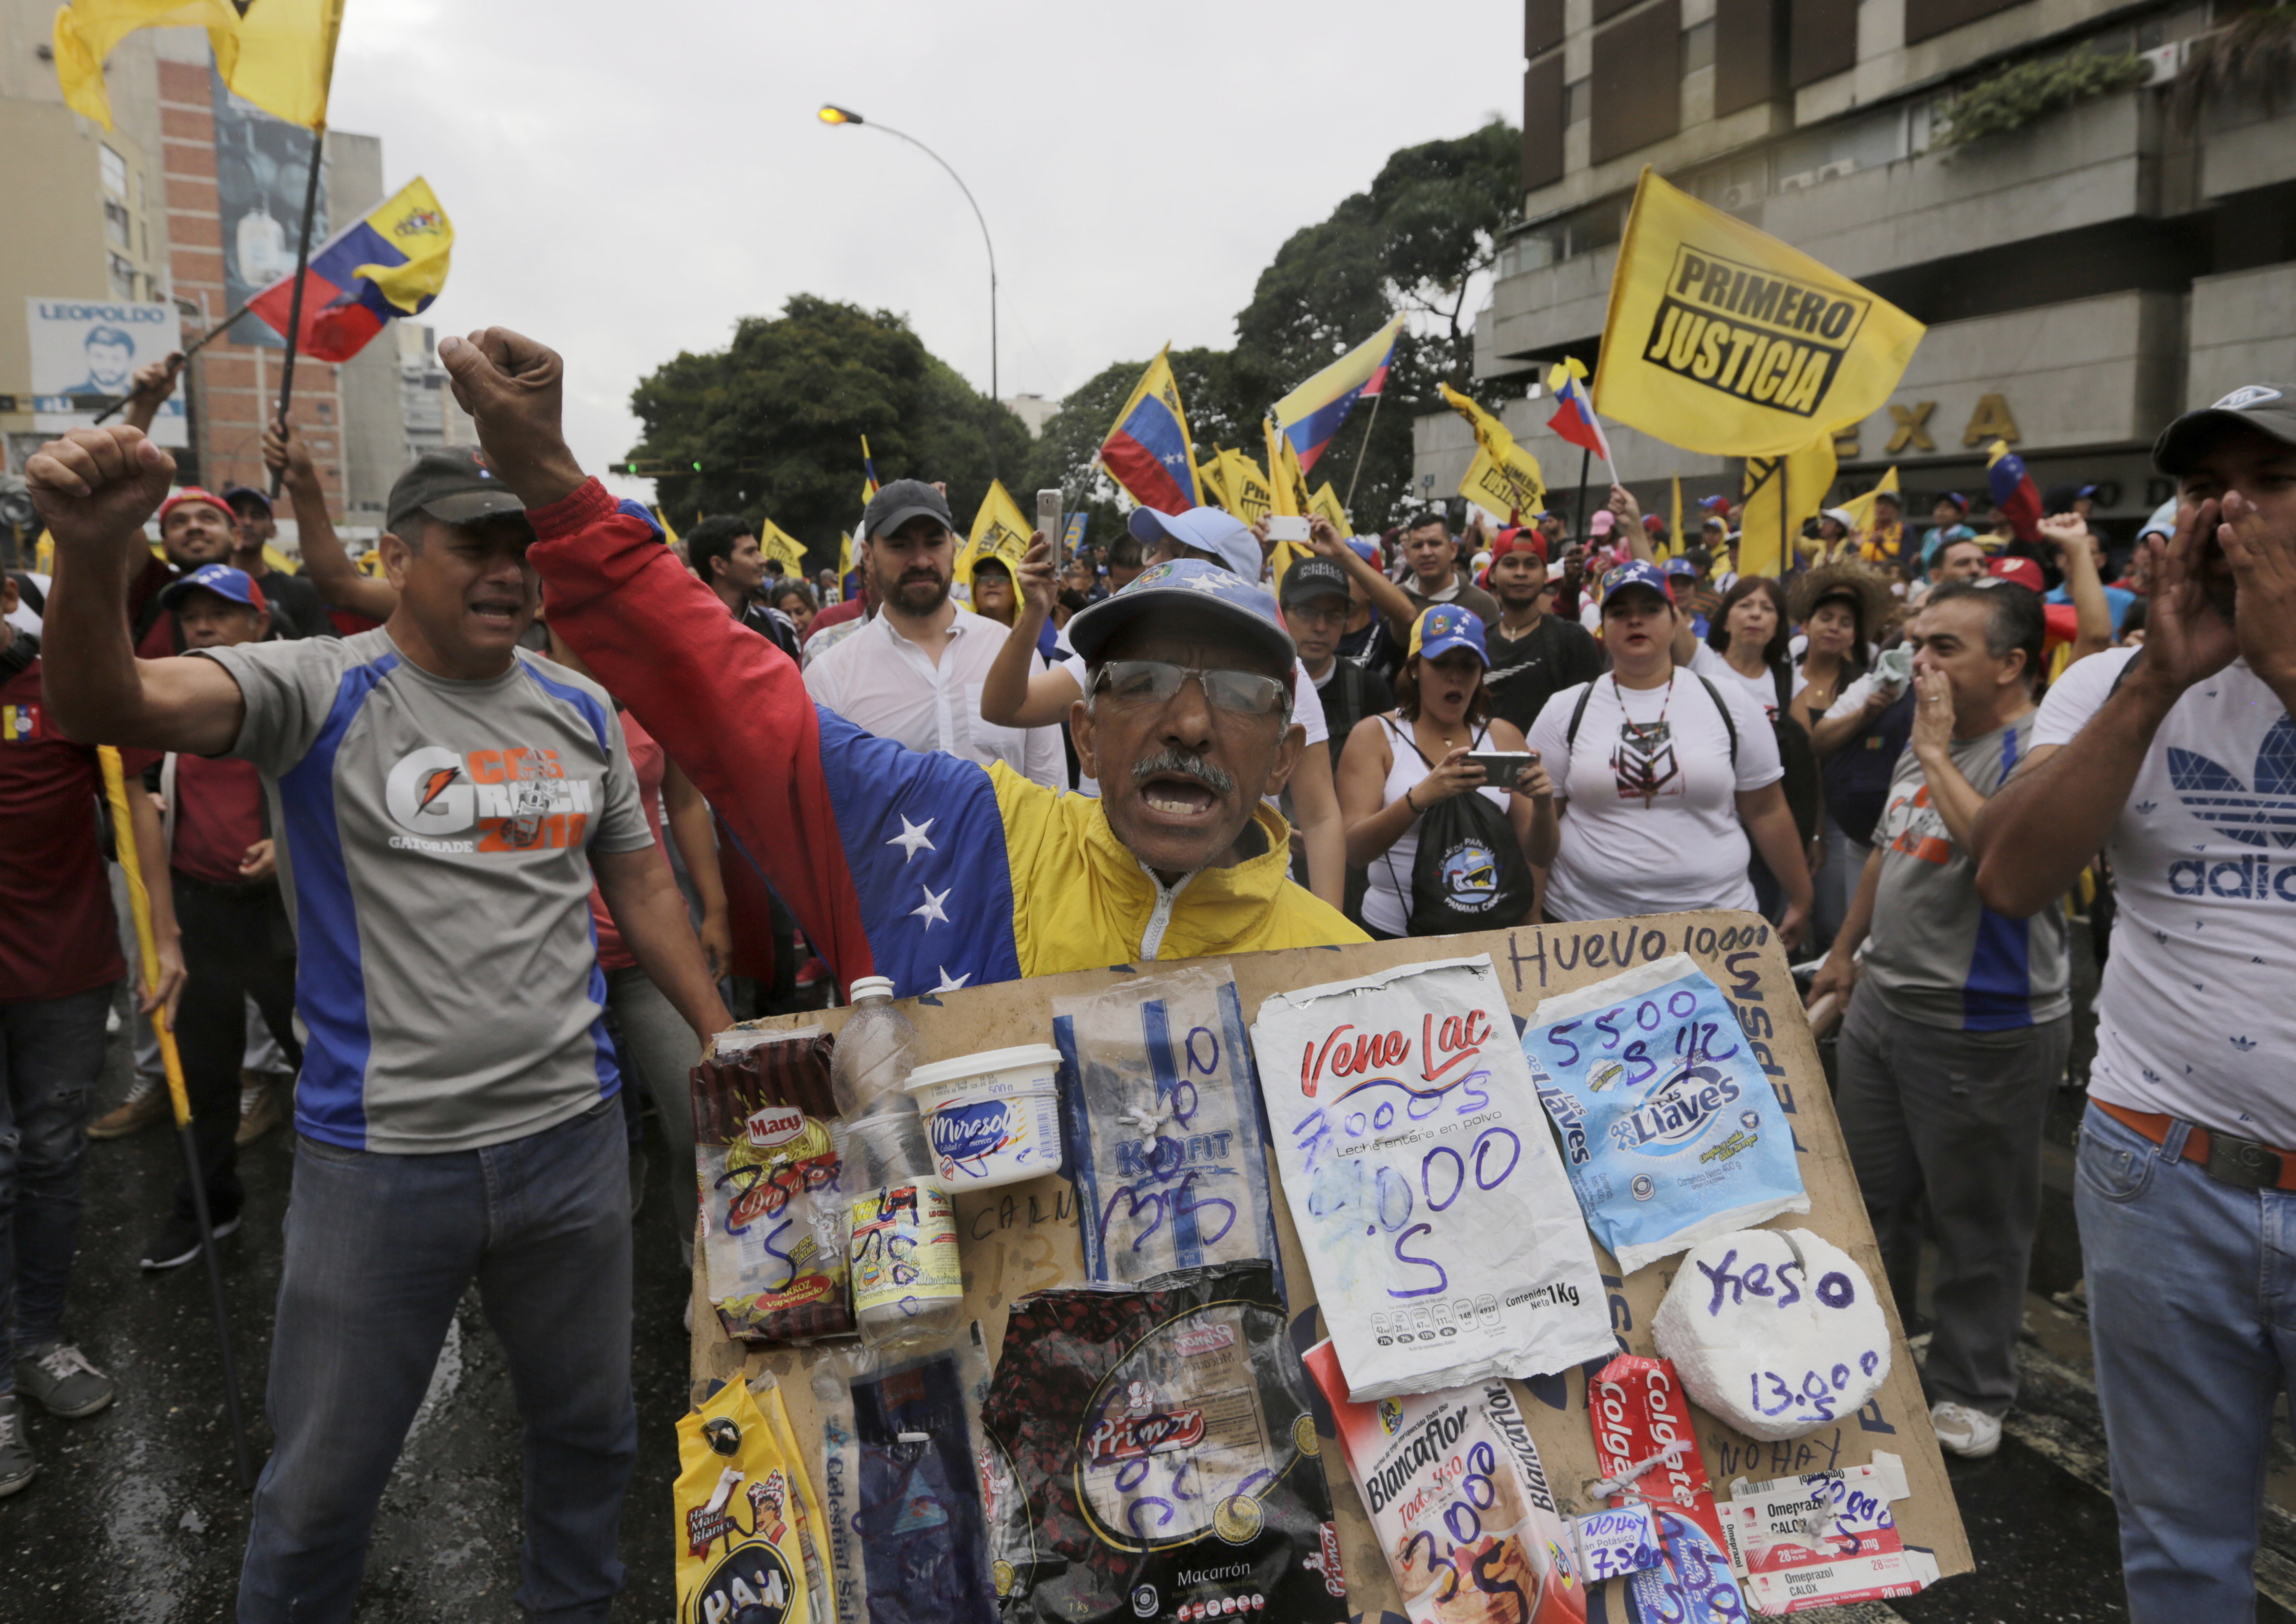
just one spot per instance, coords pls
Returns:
(2269, 408)
(895, 505)
(452, 486)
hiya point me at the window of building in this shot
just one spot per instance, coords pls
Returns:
(117, 225)
(115, 173)
(1698, 46)
(123, 277)
(1578, 103)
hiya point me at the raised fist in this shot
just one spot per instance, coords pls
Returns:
(96, 488)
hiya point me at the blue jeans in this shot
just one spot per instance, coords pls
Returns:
(50, 1050)
(2192, 1292)
(379, 1250)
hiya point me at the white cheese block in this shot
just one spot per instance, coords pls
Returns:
(1774, 1330)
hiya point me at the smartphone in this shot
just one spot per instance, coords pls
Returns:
(1287, 527)
(1048, 523)
(1502, 767)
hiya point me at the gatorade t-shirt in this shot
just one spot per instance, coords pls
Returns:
(434, 835)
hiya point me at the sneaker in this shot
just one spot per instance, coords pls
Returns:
(179, 1243)
(258, 1111)
(146, 1103)
(1972, 1434)
(63, 1382)
(18, 1464)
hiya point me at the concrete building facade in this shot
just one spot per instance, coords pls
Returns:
(2084, 276)
(135, 214)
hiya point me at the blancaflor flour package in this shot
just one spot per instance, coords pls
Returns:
(1445, 1242)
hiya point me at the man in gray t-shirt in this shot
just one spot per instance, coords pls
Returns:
(1958, 1027)
(442, 803)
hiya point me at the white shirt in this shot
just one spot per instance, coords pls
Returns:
(1763, 688)
(2195, 1018)
(1682, 849)
(877, 679)
(1306, 709)
(28, 619)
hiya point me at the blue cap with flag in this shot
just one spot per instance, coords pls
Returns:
(1636, 572)
(1446, 627)
(221, 579)
(1191, 585)
(1207, 529)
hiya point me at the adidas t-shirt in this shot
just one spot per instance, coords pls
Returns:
(2195, 1018)
(435, 837)
(1654, 820)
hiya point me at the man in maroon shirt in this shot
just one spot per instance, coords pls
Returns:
(236, 940)
(60, 962)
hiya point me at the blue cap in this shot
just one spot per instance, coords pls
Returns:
(1679, 565)
(1189, 585)
(1636, 572)
(1209, 530)
(1446, 627)
(1711, 502)
(639, 510)
(221, 579)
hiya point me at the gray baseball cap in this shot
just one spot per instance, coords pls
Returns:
(452, 486)
(2268, 408)
(895, 505)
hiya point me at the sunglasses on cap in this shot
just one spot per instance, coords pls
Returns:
(1129, 683)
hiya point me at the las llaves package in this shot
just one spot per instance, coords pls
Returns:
(1087, 1453)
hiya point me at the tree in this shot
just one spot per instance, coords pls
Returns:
(775, 421)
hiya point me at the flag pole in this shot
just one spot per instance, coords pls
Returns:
(302, 265)
(1578, 526)
(115, 790)
(1363, 455)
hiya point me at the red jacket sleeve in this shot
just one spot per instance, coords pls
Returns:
(730, 708)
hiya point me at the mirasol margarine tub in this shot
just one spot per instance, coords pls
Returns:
(994, 1118)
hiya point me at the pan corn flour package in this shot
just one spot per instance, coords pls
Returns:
(1446, 1244)
(1670, 1130)
(741, 1510)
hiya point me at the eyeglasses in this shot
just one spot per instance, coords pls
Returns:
(1153, 682)
(1318, 614)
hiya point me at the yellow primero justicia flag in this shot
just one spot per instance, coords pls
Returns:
(1721, 339)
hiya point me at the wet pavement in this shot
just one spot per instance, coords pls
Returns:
(136, 1516)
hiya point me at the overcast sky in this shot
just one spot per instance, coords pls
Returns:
(626, 182)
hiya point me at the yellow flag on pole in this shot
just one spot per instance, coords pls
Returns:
(662, 518)
(1325, 502)
(1675, 542)
(1250, 496)
(1287, 485)
(1504, 479)
(281, 55)
(1212, 484)
(775, 542)
(1781, 492)
(1723, 340)
(999, 527)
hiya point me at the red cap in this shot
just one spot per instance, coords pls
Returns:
(1524, 539)
(2024, 572)
(193, 493)
(1652, 522)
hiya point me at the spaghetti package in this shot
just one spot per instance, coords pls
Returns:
(1445, 1242)
(1156, 1459)
(1460, 1504)
(739, 1555)
(1164, 1135)
(773, 1235)
(1671, 1132)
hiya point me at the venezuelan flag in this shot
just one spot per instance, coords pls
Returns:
(392, 262)
(1310, 414)
(1574, 416)
(2013, 490)
(1148, 452)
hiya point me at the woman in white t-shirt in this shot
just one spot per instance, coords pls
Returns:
(1397, 765)
(1747, 641)
(1662, 778)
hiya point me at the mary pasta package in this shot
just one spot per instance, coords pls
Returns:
(1446, 1245)
(1672, 1132)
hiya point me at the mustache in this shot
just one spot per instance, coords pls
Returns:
(1209, 774)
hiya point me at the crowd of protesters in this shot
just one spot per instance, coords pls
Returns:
(539, 727)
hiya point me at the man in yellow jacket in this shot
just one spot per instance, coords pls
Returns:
(926, 867)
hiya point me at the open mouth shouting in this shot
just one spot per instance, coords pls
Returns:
(1179, 786)
(497, 612)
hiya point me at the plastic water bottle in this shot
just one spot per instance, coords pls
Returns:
(876, 1048)
(901, 1243)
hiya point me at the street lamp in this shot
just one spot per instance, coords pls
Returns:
(832, 114)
